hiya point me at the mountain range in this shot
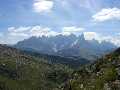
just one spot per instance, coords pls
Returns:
(71, 46)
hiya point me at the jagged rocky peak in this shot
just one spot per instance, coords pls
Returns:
(65, 44)
(82, 37)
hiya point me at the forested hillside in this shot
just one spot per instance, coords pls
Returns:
(19, 71)
(104, 74)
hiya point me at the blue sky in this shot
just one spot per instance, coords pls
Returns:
(20, 19)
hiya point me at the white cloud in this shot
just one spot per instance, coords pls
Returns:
(40, 31)
(97, 36)
(43, 5)
(18, 30)
(72, 29)
(115, 39)
(15, 34)
(91, 35)
(30, 31)
(107, 14)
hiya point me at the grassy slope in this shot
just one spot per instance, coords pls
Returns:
(19, 71)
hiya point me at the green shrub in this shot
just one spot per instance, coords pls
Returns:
(110, 74)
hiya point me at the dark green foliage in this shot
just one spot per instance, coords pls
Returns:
(101, 75)
(19, 71)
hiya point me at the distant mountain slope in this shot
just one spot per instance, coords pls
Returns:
(22, 71)
(51, 59)
(67, 46)
(104, 74)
